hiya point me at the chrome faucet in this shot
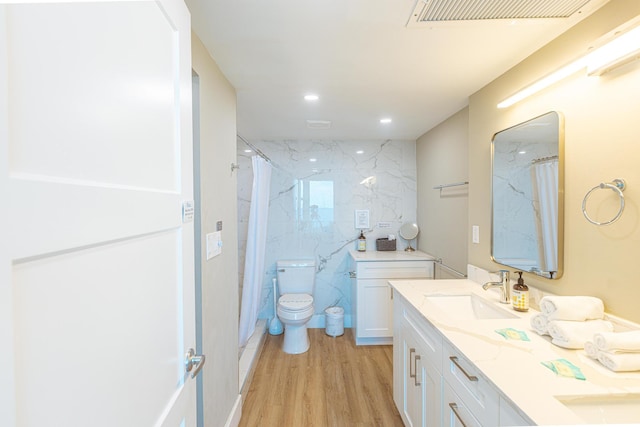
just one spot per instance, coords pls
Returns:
(504, 284)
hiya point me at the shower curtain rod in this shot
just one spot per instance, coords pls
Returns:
(543, 159)
(253, 147)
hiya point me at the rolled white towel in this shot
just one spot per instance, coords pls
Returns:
(591, 349)
(618, 341)
(569, 334)
(540, 323)
(620, 362)
(577, 308)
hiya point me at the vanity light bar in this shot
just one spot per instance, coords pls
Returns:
(623, 48)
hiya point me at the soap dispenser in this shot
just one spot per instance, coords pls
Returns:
(520, 295)
(362, 242)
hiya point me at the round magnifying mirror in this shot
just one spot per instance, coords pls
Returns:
(409, 231)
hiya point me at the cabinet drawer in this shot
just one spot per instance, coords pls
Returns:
(395, 270)
(455, 413)
(510, 416)
(474, 390)
(427, 333)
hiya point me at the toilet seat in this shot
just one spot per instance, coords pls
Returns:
(295, 302)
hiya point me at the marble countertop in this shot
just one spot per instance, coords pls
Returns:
(390, 256)
(514, 367)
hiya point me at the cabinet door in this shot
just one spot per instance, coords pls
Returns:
(374, 308)
(422, 384)
(411, 405)
(429, 381)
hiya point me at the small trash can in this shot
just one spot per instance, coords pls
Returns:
(334, 321)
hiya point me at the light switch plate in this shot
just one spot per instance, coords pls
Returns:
(214, 244)
(475, 234)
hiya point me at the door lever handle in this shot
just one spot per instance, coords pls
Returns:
(191, 360)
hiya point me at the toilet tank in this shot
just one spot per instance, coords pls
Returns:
(296, 276)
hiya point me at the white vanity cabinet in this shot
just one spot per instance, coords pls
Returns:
(371, 295)
(447, 389)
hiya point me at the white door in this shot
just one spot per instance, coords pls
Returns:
(96, 262)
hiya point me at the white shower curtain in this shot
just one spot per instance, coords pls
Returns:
(545, 196)
(256, 242)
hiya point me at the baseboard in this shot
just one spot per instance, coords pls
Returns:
(236, 413)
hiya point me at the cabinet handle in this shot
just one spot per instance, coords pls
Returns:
(415, 368)
(411, 351)
(454, 359)
(454, 408)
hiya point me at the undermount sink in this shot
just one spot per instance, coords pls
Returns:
(605, 409)
(468, 307)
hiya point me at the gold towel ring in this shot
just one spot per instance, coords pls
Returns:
(618, 185)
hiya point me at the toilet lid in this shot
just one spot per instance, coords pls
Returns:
(295, 302)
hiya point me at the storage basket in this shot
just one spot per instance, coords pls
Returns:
(384, 244)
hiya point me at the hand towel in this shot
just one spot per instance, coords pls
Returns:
(540, 324)
(620, 362)
(591, 350)
(577, 308)
(614, 342)
(569, 334)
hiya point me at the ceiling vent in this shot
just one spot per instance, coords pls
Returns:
(318, 124)
(433, 11)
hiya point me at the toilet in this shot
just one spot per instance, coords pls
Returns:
(296, 281)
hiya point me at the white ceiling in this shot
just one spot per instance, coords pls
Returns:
(361, 59)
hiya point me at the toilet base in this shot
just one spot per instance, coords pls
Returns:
(296, 339)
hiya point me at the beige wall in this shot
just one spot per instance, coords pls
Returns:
(219, 274)
(602, 128)
(442, 155)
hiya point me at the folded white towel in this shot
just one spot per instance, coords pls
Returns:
(577, 308)
(540, 323)
(618, 341)
(591, 349)
(620, 362)
(569, 334)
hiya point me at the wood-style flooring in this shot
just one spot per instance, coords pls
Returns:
(335, 383)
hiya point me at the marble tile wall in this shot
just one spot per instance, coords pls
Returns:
(312, 207)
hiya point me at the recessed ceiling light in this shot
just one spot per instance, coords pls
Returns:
(313, 160)
(311, 97)
(360, 152)
(385, 121)
(522, 152)
(247, 151)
